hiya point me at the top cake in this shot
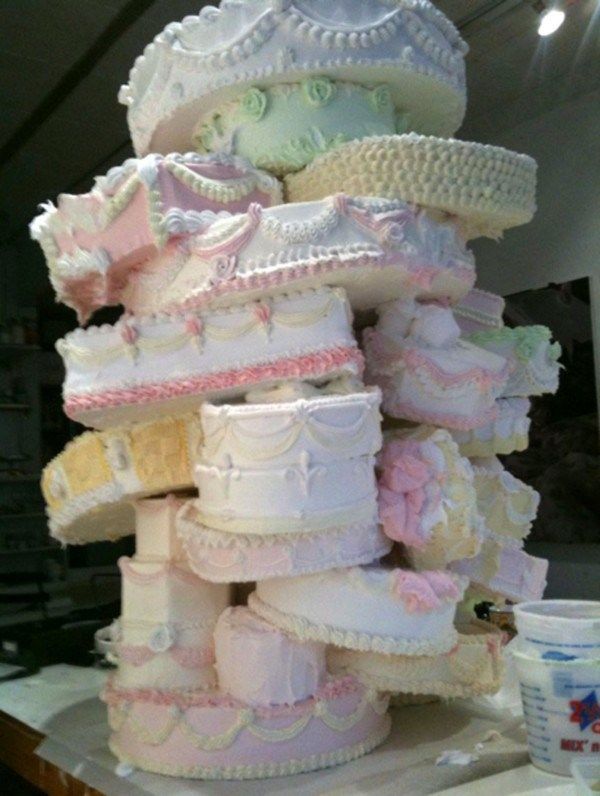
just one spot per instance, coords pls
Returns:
(405, 50)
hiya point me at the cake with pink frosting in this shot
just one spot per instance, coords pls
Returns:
(95, 241)
(504, 569)
(366, 608)
(151, 366)
(377, 250)
(427, 373)
(224, 557)
(246, 648)
(427, 497)
(479, 310)
(234, 379)
(209, 735)
(168, 614)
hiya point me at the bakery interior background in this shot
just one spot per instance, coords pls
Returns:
(60, 126)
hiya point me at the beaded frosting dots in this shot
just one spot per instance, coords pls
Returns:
(88, 488)
(484, 189)
(193, 67)
(94, 242)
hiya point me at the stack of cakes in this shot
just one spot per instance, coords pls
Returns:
(235, 379)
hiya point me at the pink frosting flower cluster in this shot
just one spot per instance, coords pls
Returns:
(422, 592)
(409, 491)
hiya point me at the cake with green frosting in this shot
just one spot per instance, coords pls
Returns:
(284, 127)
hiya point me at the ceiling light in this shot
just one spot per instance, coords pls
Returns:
(551, 20)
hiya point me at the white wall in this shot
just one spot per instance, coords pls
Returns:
(563, 242)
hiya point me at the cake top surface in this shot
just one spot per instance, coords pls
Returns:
(419, 592)
(196, 63)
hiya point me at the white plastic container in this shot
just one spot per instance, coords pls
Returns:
(561, 704)
(559, 629)
(586, 773)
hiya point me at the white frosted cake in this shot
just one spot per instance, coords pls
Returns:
(427, 374)
(168, 614)
(193, 67)
(508, 506)
(484, 189)
(261, 665)
(533, 357)
(289, 468)
(503, 568)
(366, 608)
(479, 310)
(90, 486)
(148, 366)
(93, 242)
(508, 433)
(378, 250)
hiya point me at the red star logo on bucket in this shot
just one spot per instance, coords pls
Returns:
(585, 712)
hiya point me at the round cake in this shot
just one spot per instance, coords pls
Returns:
(366, 608)
(484, 189)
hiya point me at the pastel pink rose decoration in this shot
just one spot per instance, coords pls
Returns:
(443, 585)
(400, 516)
(403, 492)
(415, 592)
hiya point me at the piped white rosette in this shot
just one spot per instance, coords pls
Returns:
(472, 668)
(366, 608)
(148, 366)
(376, 249)
(482, 189)
(427, 498)
(194, 66)
(427, 373)
(508, 507)
(286, 488)
(93, 242)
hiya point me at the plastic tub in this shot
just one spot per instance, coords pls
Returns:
(562, 710)
(559, 629)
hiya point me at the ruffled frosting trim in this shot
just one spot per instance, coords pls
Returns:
(306, 630)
